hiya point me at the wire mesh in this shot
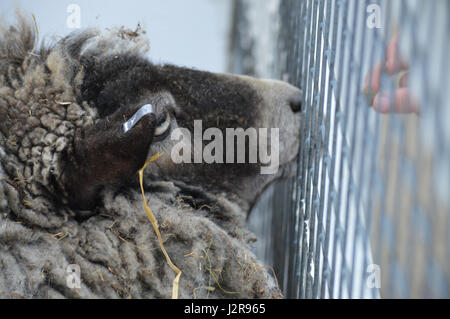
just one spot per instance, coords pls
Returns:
(368, 214)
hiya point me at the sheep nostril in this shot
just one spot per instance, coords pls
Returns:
(296, 103)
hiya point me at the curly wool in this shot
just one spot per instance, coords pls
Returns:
(117, 250)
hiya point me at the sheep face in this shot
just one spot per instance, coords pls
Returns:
(119, 84)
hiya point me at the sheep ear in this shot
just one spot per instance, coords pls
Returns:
(106, 154)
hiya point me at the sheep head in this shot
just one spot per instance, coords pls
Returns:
(107, 79)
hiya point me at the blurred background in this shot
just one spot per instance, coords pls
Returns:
(187, 33)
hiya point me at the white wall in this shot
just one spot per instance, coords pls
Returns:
(191, 33)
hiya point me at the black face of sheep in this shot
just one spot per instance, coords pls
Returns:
(114, 84)
(119, 85)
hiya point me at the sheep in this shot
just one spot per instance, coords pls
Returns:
(69, 192)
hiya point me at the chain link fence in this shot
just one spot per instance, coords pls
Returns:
(368, 214)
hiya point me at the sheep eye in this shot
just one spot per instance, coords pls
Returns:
(163, 124)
